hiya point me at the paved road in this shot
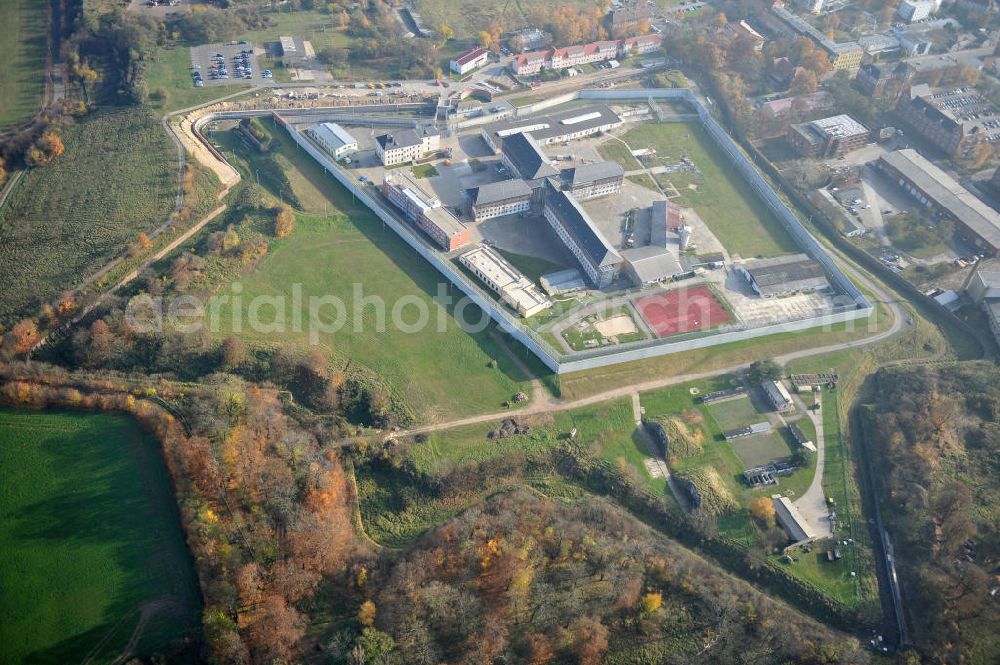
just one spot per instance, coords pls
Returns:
(812, 504)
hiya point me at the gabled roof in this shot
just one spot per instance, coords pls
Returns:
(499, 191)
(527, 157)
(403, 138)
(587, 173)
(470, 55)
(580, 227)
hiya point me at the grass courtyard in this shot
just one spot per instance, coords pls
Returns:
(740, 221)
(22, 78)
(91, 536)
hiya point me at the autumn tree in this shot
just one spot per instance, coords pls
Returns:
(284, 222)
(803, 83)
(366, 613)
(232, 352)
(23, 336)
(275, 630)
(590, 640)
(762, 509)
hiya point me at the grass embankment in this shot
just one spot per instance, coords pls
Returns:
(441, 371)
(723, 200)
(22, 77)
(117, 177)
(91, 537)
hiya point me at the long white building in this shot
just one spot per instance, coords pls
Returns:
(514, 288)
(334, 139)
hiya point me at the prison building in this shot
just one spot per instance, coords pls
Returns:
(650, 265)
(778, 396)
(563, 281)
(828, 137)
(497, 199)
(791, 520)
(525, 159)
(334, 139)
(598, 259)
(554, 128)
(424, 210)
(514, 289)
(471, 59)
(406, 145)
(591, 181)
(746, 430)
(976, 222)
(784, 275)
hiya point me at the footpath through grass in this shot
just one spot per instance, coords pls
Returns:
(22, 76)
(91, 534)
(117, 177)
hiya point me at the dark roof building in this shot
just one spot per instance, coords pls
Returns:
(627, 16)
(524, 157)
(589, 181)
(574, 227)
(784, 275)
(975, 221)
(953, 120)
(883, 80)
(496, 199)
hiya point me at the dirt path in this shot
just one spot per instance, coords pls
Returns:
(660, 463)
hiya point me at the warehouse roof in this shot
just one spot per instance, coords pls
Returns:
(947, 194)
(652, 264)
(333, 134)
(547, 127)
(527, 157)
(494, 192)
(578, 224)
(791, 519)
(783, 270)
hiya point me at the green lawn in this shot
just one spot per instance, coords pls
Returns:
(117, 177)
(91, 535)
(734, 413)
(171, 87)
(760, 449)
(723, 200)
(22, 77)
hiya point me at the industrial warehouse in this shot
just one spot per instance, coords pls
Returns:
(496, 200)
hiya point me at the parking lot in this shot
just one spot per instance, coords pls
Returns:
(208, 59)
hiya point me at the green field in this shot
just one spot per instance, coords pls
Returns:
(22, 77)
(117, 177)
(723, 200)
(734, 413)
(91, 539)
(761, 449)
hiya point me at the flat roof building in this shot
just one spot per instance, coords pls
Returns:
(287, 45)
(516, 290)
(497, 199)
(471, 59)
(406, 145)
(983, 283)
(978, 223)
(425, 210)
(783, 275)
(334, 139)
(554, 127)
(598, 259)
(828, 137)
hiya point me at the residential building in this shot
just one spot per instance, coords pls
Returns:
(976, 222)
(530, 63)
(406, 145)
(425, 210)
(953, 120)
(513, 287)
(497, 199)
(554, 128)
(334, 139)
(912, 11)
(632, 14)
(844, 55)
(582, 54)
(828, 137)
(878, 81)
(590, 181)
(598, 259)
(783, 275)
(778, 396)
(471, 59)
(639, 45)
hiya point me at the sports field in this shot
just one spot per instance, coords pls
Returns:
(760, 449)
(92, 541)
(22, 77)
(682, 311)
(723, 200)
(734, 413)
